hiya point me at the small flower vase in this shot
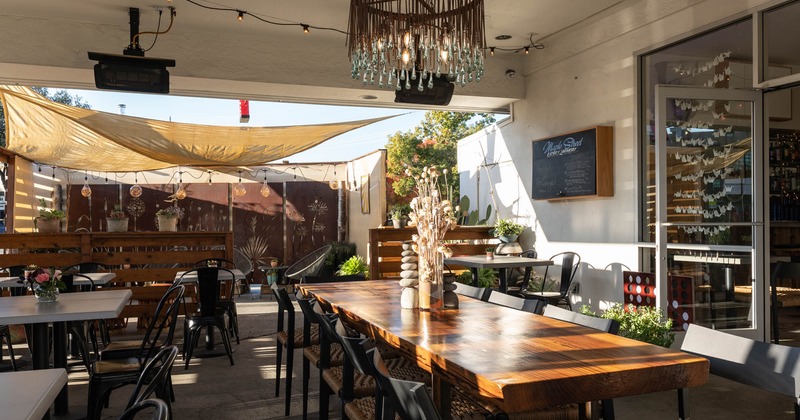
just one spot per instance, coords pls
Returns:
(117, 225)
(167, 224)
(431, 278)
(489, 255)
(45, 295)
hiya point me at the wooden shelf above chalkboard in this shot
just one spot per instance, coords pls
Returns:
(574, 165)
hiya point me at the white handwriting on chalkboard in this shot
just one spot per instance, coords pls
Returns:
(562, 147)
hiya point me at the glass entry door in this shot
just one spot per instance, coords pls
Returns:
(709, 208)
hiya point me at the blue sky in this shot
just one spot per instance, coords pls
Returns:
(226, 112)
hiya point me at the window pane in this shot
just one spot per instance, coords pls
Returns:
(721, 58)
(780, 26)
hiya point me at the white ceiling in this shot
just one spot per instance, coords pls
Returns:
(44, 42)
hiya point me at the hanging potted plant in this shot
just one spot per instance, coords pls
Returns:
(117, 220)
(507, 231)
(168, 218)
(49, 220)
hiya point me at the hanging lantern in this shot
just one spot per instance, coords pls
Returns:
(180, 193)
(136, 190)
(334, 184)
(265, 190)
(239, 190)
(86, 191)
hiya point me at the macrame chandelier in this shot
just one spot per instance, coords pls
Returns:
(397, 41)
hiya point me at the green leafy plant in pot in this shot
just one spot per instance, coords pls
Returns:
(49, 220)
(399, 214)
(643, 323)
(354, 266)
(507, 231)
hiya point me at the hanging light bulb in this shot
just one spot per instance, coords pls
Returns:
(136, 190)
(241, 16)
(86, 191)
(239, 190)
(334, 184)
(180, 193)
(209, 177)
(305, 29)
(265, 190)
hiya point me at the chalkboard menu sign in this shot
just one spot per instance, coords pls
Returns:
(573, 165)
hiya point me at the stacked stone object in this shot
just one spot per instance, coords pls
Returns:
(450, 297)
(409, 278)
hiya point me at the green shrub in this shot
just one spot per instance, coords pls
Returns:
(645, 323)
(486, 277)
(354, 265)
(505, 227)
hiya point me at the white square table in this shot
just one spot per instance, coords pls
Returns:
(82, 306)
(223, 275)
(29, 394)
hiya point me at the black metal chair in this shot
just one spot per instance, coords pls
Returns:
(526, 274)
(215, 262)
(210, 314)
(155, 378)
(289, 337)
(233, 315)
(158, 410)
(770, 367)
(5, 334)
(781, 270)
(570, 262)
(309, 265)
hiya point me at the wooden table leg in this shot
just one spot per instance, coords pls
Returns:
(441, 393)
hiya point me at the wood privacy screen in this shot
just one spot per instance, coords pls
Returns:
(573, 165)
(139, 260)
(385, 247)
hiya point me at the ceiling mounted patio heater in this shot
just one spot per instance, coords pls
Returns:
(132, 71)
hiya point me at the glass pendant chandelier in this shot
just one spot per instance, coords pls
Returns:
(239, 190)
(396, 42)
(265, 190)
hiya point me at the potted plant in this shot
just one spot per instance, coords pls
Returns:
(117, 220)
(399, 213)
(490, 253)
(354, 266)
(273, 262)
(49, 219)
(507, 231)
(272, 276)
(168, 218)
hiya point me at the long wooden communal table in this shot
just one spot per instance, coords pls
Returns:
(520, 360)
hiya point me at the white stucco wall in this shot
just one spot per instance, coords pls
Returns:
(359, 223)
(584, 78)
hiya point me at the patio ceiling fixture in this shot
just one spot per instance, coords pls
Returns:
(405, 43)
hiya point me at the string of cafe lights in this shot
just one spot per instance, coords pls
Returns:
(239, 189)
(306, 27)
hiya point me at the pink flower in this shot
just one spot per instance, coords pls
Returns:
(42, 278)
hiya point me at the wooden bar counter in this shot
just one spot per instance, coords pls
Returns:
(520, 360)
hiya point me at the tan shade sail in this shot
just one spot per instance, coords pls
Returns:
(56, 134)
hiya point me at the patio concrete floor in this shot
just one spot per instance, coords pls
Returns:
(213, 389)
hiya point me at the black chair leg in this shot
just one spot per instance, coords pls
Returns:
(278, 358)
(608, 409)
(226, 340)
(306, 378)
(289, 363)
(324, 397)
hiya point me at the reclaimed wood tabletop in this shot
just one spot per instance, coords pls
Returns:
(520, 360)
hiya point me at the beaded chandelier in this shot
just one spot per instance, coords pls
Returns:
(396, 41)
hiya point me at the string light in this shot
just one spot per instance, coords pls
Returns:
(491, 51)
(524, 48)
(527, 50)
(241, 13)
(180, 193)
(209, 177)
(241, 16)
(305, 29)
(334, 184)
(136, 190)
(54, 172)
(239, 190)
(265, 190)
(86, 191)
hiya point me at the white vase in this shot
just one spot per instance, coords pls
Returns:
(167, 224)
(118, 225)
